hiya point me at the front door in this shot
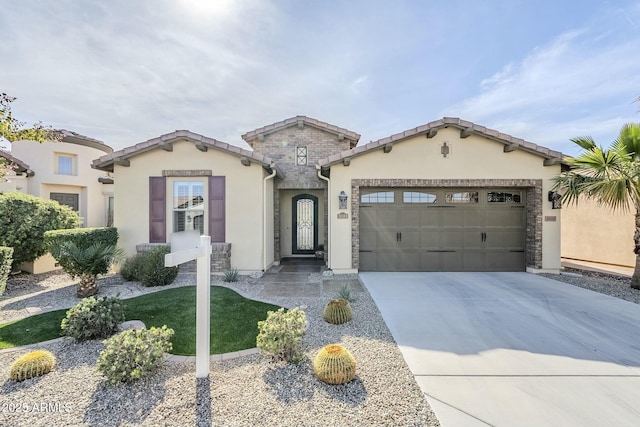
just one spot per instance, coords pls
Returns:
(305, 224)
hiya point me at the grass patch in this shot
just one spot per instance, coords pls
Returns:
(234, 320)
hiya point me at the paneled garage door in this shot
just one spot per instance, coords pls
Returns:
(442, 230)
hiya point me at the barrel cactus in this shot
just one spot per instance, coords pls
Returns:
(334, 365)
(33, 364)
(337, 311)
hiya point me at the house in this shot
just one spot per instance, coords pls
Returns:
(62, 171)
(446, 196)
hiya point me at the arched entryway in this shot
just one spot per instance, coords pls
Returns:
(304, 225)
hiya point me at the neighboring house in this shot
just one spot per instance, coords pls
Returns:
(446, 196)
(17, 178)
(597, 234)
(62, 171)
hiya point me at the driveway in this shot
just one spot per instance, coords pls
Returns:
(514, 349)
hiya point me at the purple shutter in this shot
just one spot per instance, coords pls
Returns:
(217, 208)
(157, 209)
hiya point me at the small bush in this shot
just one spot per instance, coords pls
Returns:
(132, 354)
(6, 256)
(93, 318)
(154, 273)
(131, 269)
(231, 276)
(24, 220)
(32, 364)
(280, 335)
(334, 364)
(83, 237)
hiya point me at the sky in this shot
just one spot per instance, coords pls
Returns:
(125, 71)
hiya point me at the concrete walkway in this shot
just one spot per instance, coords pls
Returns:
(514, 349)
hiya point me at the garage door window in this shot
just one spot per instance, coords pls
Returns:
(504, 197)
(379, 197)
(418, 197)
(462, 197)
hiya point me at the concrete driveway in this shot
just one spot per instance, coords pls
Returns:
(514, 349)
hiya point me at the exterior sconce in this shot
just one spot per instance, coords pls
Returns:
(556, 200)
(342, 198)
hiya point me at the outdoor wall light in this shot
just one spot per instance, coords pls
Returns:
(342, 198)
(556, 199)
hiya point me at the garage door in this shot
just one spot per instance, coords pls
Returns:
(442, 230)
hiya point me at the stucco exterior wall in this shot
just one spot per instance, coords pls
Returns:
(597, 234)
(84, 181)
(474, 157)
(244, 198)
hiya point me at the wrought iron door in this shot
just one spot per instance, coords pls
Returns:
(305, 224)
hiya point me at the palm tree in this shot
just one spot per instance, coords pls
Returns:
(85, 263)
(609, 176)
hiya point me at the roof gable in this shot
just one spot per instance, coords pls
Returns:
(431, 129)
(21, 166)
(302, 121)
(163, 142)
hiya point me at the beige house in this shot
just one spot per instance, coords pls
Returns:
(446, 196)
(62, 171)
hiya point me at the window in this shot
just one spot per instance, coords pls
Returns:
(68, 199)
(462, 197)
(301, 156)
(418, 197)
(504, 197)
(379, 197)
(188, 206)
(65, 163)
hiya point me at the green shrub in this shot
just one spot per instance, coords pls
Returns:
(83, 237)
(231, 276)
(6, 255)
(33, 364)
(334, 364)
(24, 219)
(93, 318)
(131, 269)
(134, 353)
(280, 335)
(154, 273)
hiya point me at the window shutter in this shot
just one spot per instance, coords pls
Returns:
(157, 209)
(217, 208)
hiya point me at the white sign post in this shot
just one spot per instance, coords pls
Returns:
(187, 246)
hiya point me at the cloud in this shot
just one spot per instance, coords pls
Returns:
(582, 82)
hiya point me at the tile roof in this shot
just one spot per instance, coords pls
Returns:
(293, 121)
(76, 138)
(463, 125)
(106, 162)
(22, 166)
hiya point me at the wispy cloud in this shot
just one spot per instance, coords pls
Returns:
(582, 82)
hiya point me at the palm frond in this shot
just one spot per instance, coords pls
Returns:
(585, 142)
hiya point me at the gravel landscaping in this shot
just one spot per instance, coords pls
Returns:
(245, 391)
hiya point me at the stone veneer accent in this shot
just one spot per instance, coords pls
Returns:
(220, 257)
(533, 245)
(281, 147)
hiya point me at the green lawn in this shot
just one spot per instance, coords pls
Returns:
(233, 320)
